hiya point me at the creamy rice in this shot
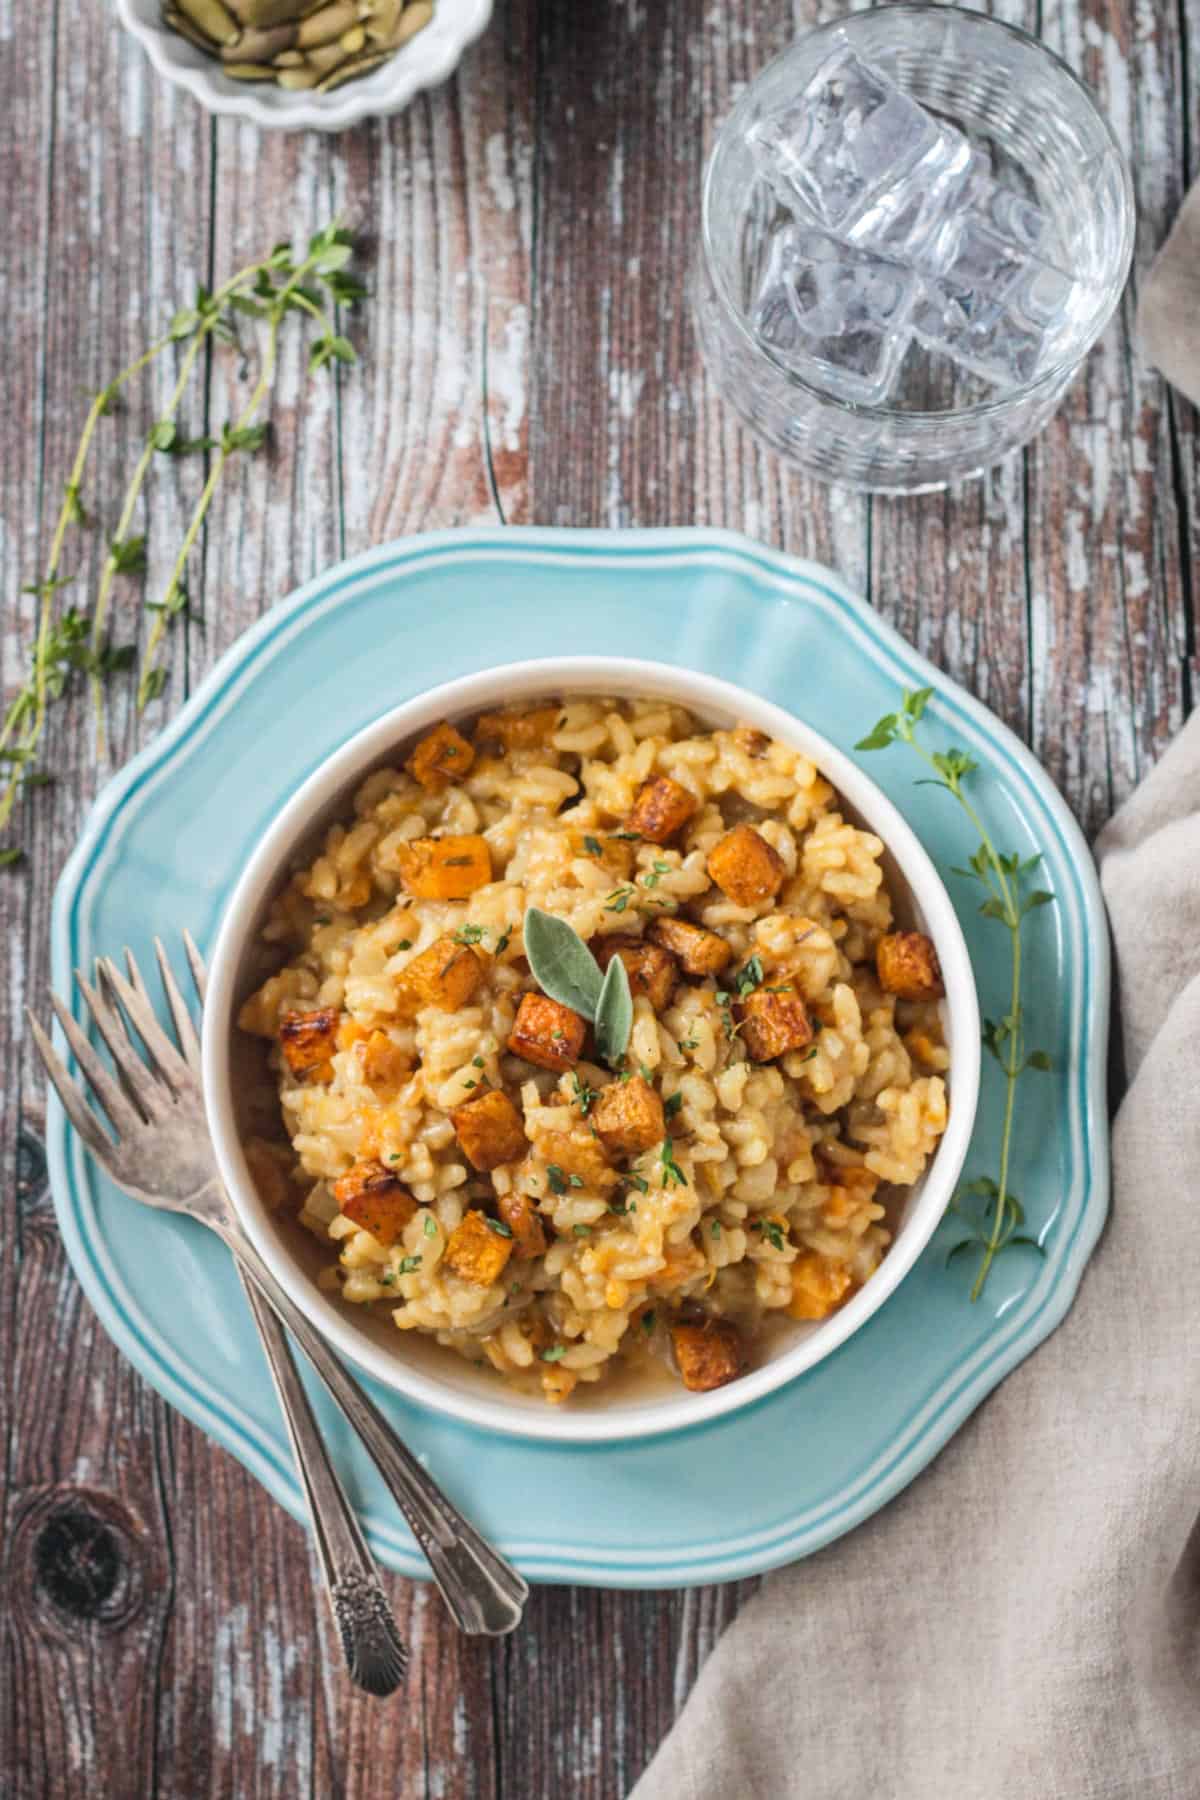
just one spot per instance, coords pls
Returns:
(774, 1193)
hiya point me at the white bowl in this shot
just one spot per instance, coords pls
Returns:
(424, 62)
(418, 1367)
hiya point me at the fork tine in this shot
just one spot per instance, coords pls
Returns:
(123, 1114)
(157, 1043)
(74, 1105)
(137, 1078)
(196, 965)
(185, 1031)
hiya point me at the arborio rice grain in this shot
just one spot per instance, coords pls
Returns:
(773, 1195)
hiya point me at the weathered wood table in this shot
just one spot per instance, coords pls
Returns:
(527, 356)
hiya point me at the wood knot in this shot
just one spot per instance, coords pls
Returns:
(33, 1188)
(79, 1559)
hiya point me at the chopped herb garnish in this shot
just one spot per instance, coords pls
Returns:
(498, 1226)
(469, 934)
(470, 1084)
(592, 846)
(582, 1230)
(477, 1062)
(656, 874)
(430, 1225)
(809, 1054)
(689, 1043)
(583, 1094)
(672, 1174)
(619, 899)
(749, 976)
(321, 919)
(404, 944)
(555, 1353)
(646, 1074)
(640, 1183)
(387, 1278)
(557, 1036)
(715, 1228)
(503, 942)
(408, 1264)
(576, 1180)
(514, 1289)
(627, 837)
(673, 1105)
(394, 1156)
(771, 1230)
(558, 1181)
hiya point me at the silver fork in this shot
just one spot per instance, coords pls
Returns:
(160, 1154)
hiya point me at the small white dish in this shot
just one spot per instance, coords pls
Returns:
(418, 1367)
(424, 62)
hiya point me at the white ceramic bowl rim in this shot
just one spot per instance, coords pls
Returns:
(263, 876)
(424, 62)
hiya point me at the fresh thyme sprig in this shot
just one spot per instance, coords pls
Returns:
(995, 1224)
(314, 284)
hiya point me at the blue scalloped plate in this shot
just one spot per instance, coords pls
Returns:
(789, 1474)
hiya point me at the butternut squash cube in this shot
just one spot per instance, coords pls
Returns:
(442, 757)
(575, 1159)
(489, 1129)
(547, 1033)
(308, 1040)
(708, 1355)
(445, 976)
(699, 952)
(773, 1024)
(529, 1236)
(818, 1287)
(445, 868)
(662, 808)
(629, 1118)
(745, 867)
(650, 968)
(907, 965)
(374, 1198)
(476, 1252)
(518, 730)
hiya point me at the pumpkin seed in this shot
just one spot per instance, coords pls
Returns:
(239, 71)
(187, 30)
(210, 17)
(359, 65)
(354, 39)
(265, 13)
(296, 79)
(324, 58)
(260, 46)
(289, 59)
(383, 20)
(329, 23)
(414, 18)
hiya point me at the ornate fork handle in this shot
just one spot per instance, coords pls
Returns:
(485, 1595)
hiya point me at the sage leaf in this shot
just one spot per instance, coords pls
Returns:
(561, 963)
(614, 1013)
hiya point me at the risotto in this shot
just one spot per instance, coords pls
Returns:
(450, 1133)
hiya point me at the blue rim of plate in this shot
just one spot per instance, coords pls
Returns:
(924, 1431)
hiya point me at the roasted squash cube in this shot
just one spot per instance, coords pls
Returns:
(818, 1287)
(907, 965)
(662, 808)
(445, 976)
(772, 1024)
(441, 757)
(699, 952)
(708, 1355)
(612, 853)
(477, 1252)
(745, 867)
(445, 868)
(575, 1159)
(547, 1033)
(628, 1116)
(529, 1236)
(650, 968)
(518, 730)
(374, 1198)
(308, 1040)
(489, 1129)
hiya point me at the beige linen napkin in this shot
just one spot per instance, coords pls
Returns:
(1024, 1622)
(1169, 314)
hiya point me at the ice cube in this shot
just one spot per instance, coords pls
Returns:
(992, 306)
(847, 137)
(835, 314)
